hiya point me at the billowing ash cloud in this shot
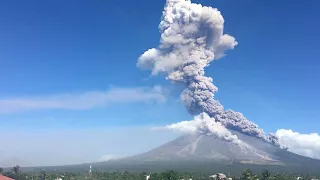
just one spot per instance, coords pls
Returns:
(303, 144)
(204, 124)
(236, 121)
(273, 138)
(191, 37)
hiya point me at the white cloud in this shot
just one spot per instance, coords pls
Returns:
(108, 157)
(84, 100)
(303, 144)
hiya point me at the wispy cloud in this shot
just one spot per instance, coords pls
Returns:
(85, 100)
(303, 144)
(108, 157)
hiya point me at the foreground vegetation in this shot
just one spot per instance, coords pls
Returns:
(247, 174)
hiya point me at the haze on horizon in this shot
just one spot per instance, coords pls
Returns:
(72, 93)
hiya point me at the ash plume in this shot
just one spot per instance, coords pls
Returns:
(236, 121)
(273, 138)
(192, 37)
(204, 124)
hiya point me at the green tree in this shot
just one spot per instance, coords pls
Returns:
(1, 170)
(248, 175)
(279, 176)
(15, 173)
(265, 175)
(42, 175)
(156, 176)
(170, 175)
(16, 170)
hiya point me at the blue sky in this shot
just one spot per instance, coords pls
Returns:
(50, 49)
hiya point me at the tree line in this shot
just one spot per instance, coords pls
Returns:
(247, 174)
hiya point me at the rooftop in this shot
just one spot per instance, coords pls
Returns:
(4, 178)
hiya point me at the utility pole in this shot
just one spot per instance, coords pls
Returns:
(90, 173)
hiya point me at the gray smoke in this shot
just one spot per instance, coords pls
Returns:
(191, 37)
(204, 124)
(236, 121)
(273, 138)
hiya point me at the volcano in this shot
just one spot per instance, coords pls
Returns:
(199, 152)
(201, 147)
(196, 150)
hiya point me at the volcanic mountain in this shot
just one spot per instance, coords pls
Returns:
(199, 150)
(202, 147)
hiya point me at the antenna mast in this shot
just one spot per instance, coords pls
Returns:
(90, 173)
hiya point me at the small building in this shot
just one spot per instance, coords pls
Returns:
(5, 178)
(218, 176)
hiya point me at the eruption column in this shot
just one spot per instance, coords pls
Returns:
(191, 37)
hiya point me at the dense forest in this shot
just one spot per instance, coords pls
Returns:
(247, 174)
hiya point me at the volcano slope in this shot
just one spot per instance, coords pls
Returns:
(203, 152)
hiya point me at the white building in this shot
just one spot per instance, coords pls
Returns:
(220, 176)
